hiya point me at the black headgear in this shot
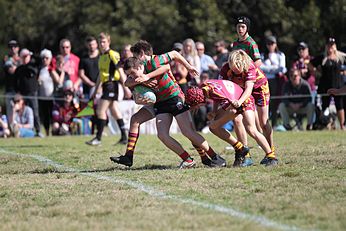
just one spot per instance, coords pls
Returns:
(244, 20)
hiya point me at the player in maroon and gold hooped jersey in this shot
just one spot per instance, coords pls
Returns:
(224, 93)
(241, 70)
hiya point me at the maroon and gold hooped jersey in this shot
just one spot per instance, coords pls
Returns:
(260, 89)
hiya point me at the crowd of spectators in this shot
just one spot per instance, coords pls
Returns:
(49, 90)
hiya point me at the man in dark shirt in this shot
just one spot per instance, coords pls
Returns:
(296, 105)
(88, 67)
(27, 84)
(11, 62)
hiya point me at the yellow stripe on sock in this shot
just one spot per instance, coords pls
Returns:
(271, 155)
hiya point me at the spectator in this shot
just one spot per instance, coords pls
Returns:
(63, 114)
(71, 64)
(179, 72)
(330, 64)
(46, 90)
(189, 52)
(125, 53)
(200, 115)
(22, 119)
(245, 42)
(11, 62)
(88, 68)
(299, 106)
(207, 62)
(4, 131)
(27, 77)
(222, 54)
(60, 77)
(302, 64)
(274, 67)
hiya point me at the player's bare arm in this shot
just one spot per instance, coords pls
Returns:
(176, 56)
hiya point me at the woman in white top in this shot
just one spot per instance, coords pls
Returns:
(274, 67)
(189, 52)
(46, 89)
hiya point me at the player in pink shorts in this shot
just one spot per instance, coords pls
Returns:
(224, 93)
(242, 70)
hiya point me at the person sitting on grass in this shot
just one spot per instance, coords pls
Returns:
(144, 51)
(63, 115)
(170, 103)
(22, 120)
(4, 130)
(225, 93)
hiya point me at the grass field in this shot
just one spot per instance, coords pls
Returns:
(62, 184)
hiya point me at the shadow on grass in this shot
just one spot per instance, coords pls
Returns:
(50, 169)
(25, 146)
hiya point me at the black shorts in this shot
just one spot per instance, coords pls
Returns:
(110, 90)
(174, 106)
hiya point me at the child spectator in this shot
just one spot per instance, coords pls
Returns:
(4, 131)
(63, 114)
(22, 120)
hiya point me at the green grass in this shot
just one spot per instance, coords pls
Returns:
(307, 190)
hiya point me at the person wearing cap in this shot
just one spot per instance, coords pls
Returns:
(27, 82)
(331, 62)
(11, 62)
(46, 90)
(302, 64)
(22, 118)
(245, 41)
(274, 67)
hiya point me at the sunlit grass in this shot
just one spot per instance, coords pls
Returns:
(307, 190)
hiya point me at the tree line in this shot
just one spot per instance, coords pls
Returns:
(40, 24)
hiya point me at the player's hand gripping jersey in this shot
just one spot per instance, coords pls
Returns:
(260, 90)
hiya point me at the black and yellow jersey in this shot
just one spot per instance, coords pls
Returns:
(108, 66)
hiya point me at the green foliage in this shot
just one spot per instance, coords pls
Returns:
(39, 24)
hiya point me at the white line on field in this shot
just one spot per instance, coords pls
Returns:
(151, 191)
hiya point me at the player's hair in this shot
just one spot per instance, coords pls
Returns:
(240, 60)
(142, 46)
(194, 96)
(132, 62)
(104, 35)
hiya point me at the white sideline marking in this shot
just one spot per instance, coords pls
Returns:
(151, 191)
